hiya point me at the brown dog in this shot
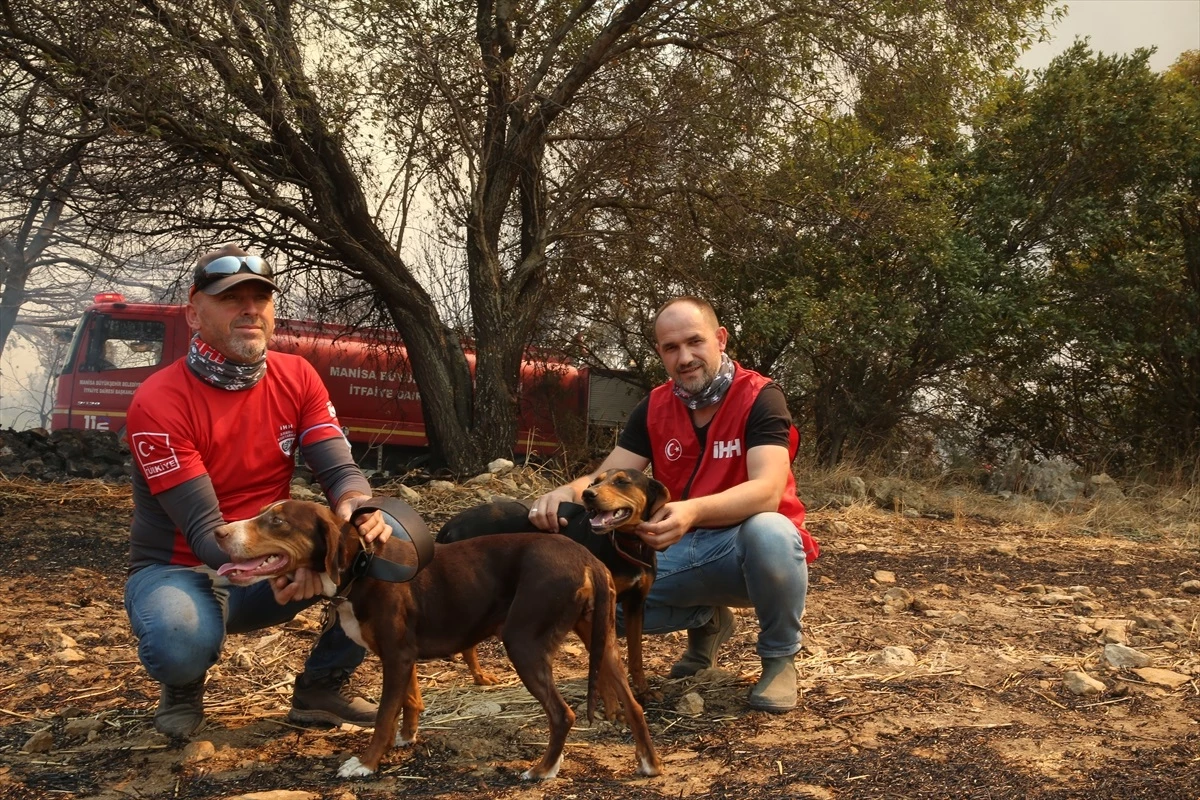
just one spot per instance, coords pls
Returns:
(529, 589)
(614, 504)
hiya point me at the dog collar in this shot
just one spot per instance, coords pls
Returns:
(402, 519)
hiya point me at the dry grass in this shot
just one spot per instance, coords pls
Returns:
(1170, 511)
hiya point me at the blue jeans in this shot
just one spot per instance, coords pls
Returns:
(180, 620)
(758, 564)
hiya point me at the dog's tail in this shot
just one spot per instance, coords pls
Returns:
(604, 622)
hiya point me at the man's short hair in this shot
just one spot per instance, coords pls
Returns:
(700, 303)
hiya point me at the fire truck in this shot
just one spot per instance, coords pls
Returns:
(118, 344)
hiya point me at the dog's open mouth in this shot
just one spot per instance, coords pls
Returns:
(266, 566)
(604, 520)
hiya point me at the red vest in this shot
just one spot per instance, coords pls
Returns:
(675, 450)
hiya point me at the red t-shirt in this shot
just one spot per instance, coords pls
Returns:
(180, 428)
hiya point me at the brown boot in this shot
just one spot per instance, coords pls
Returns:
(703, 643)
(776, 689)
(180, 710)
(327, 699)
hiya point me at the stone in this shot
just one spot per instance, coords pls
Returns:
(480, 479)
(1086, 608)
(1082, 684)
(1052, 481)
(40, 742)
(1102, 487)
(894, 656)
(884, 576)
(304, 493)
(1162, 677)
(896, 495)
(440, 486)
(483, 708)
(897, 599)
(81, 727)
(407, 494)
(691, 704)
(1115, 634)
(499, 466)
(195, 752)
(1190, 587)
(1123, 657)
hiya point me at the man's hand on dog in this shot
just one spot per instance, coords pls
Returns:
(371, 527)
(301, 585)
(544, 512)
(669, 525)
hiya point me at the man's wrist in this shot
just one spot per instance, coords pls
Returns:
(351, 495)
(577, 486)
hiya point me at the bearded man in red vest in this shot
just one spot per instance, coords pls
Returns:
(720, 437)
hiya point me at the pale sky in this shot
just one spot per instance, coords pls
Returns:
(1121, 26)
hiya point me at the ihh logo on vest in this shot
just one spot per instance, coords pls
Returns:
(729, 449)
(673, 450)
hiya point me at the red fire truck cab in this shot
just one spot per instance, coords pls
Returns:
(118, 344)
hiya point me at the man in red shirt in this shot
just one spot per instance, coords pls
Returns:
(214, 438)
(720, 437)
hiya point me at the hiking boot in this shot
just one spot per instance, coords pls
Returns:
(180, 710)
(328, 699)
(776, 689)
(703, 643)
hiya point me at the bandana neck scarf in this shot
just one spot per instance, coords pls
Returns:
(214, 369)
(714, 392)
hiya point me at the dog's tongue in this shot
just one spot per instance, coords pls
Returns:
(241, 566)
(603, 519)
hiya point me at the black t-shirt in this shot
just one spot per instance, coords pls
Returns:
(769, 422)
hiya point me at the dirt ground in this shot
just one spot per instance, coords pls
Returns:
(993, 615)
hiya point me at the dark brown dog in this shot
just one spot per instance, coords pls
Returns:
(531, 590)
(613, 505)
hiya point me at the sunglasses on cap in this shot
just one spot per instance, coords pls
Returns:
(227, 266)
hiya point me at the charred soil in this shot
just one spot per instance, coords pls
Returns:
(984, 621)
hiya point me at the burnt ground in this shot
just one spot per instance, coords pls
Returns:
(995, 616)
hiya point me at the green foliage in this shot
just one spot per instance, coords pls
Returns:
(1085, 179)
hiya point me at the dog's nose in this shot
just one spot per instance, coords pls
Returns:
(589, 494)
(221, 532)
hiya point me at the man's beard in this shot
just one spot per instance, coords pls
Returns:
(698, 383)
(244, 350)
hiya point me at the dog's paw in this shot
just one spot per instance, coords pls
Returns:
(647, 694)
(647, 768)
(484, 679)
(353, 768)
(534, 774)
(401, 741)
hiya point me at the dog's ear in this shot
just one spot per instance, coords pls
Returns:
(332, 530)
(657, 496)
